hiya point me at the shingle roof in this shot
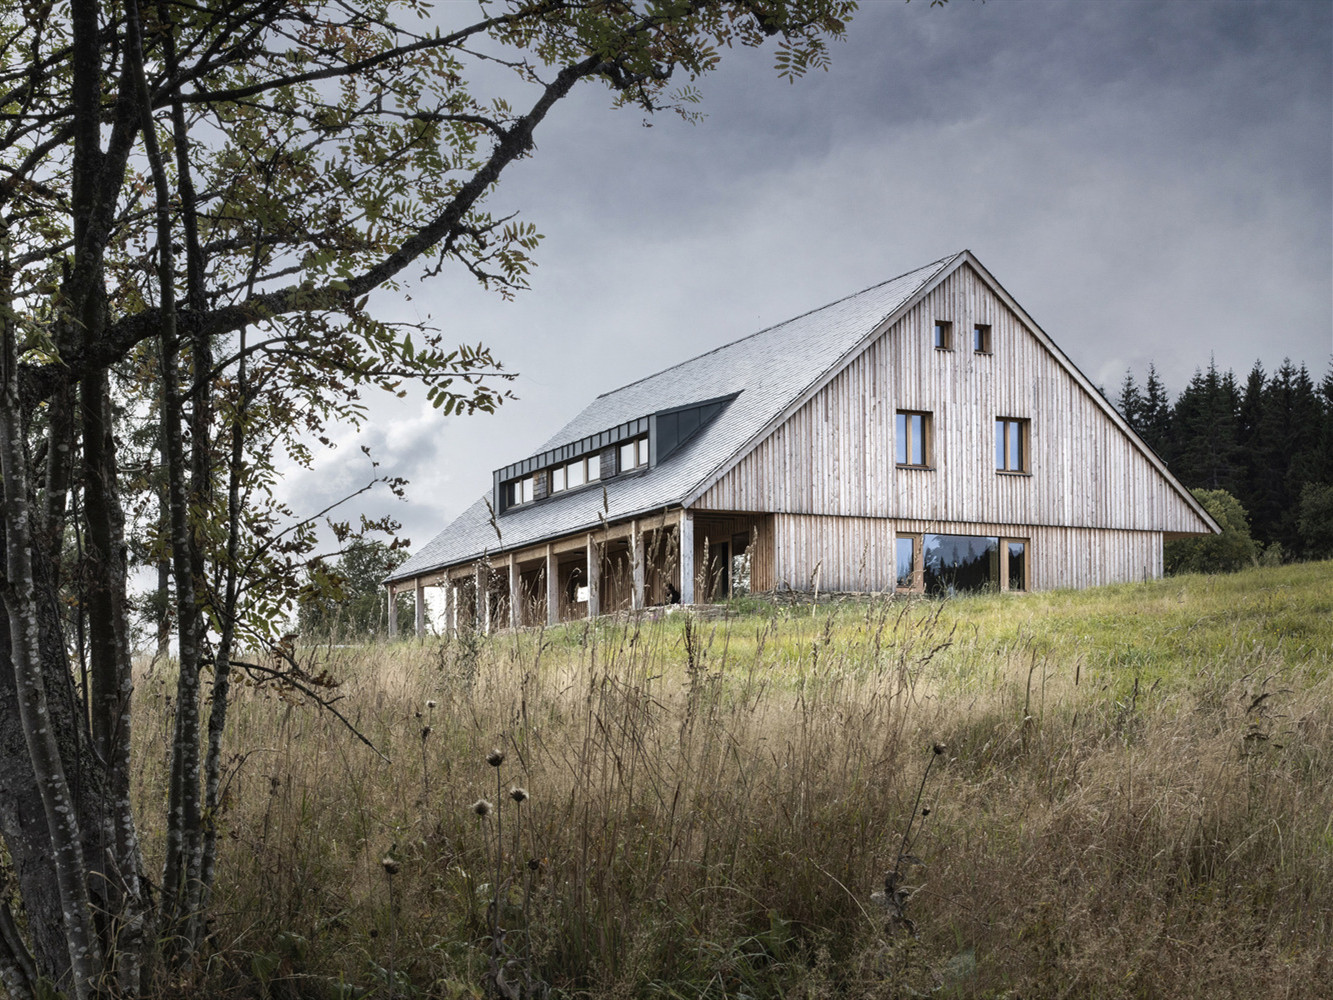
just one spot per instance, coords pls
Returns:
(770, 370)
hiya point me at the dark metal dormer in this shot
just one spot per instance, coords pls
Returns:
(543, 475)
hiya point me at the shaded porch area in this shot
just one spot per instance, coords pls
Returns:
(678, 558)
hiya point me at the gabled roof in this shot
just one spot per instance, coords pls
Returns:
(769, 371)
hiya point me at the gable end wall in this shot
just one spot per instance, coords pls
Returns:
(834, 456)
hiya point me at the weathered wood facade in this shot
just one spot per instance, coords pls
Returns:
(813, 492)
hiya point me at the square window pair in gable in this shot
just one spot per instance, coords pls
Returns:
(981, 338)
(913, 444)
(1012, 444)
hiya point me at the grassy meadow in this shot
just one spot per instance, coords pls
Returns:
(1133, 797)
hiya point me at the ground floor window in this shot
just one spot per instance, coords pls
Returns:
(950, 564)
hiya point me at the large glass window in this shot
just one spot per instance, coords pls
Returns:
(558, 479)
(955, 564)
(594, 468)
(913, 438)
(1011, 444)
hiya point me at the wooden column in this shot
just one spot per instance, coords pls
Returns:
(483, 610)
(450, 607)
(636, 563)
(552, 587)
(686, 557)
(393, 617)
(594, 577)
(420, 610)
(515, 608)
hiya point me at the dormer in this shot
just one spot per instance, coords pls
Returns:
(630, 448)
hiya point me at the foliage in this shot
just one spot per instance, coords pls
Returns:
(1233, 549)
(201, 208)
(348, 600)
(1262, 441)
(1316, 520)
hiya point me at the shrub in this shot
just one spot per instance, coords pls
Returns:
(1233, 549)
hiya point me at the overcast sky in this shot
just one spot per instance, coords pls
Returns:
(1151, 181)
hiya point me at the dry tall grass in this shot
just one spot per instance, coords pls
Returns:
(1136, 801)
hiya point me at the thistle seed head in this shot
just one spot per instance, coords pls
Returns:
(391, 864)
(496, 757)
(430, 705)
(518, 794)
(939, 748)
(482, 808)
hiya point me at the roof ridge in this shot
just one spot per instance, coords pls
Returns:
(935, 264)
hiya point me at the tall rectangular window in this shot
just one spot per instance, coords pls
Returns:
(558, 479)
(913, 438)
(905, 562)
(1017, 565)
(574, 474)
(1011, 444)
(594, 468)
(943, 335)
(981, 338)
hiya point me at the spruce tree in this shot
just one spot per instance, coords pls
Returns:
(1130, 403)
(1155, 416)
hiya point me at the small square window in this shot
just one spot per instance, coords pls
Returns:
(981, 338)
(913, 439)
(574, 474)
(1012, 436)
(943, 335)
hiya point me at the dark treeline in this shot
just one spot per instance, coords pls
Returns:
(1263, 439)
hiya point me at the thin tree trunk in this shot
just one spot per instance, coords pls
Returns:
(64, 838)
(183, 808)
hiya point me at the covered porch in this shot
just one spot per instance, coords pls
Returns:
(676, 558)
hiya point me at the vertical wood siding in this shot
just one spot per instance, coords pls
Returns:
(835, 455)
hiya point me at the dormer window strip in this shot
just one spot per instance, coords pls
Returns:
(661, 433)
(589, 445)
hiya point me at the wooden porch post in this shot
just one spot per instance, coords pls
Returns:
(393, 617)
(594, 577)
(515, 609)
(552, 587)
(450, 606)
(420, 610)
(483, 619)
(686, 557)
(636, 562)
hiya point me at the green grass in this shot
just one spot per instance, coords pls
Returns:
(1135, 802)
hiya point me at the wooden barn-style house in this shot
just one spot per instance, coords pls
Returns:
(924, 435)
